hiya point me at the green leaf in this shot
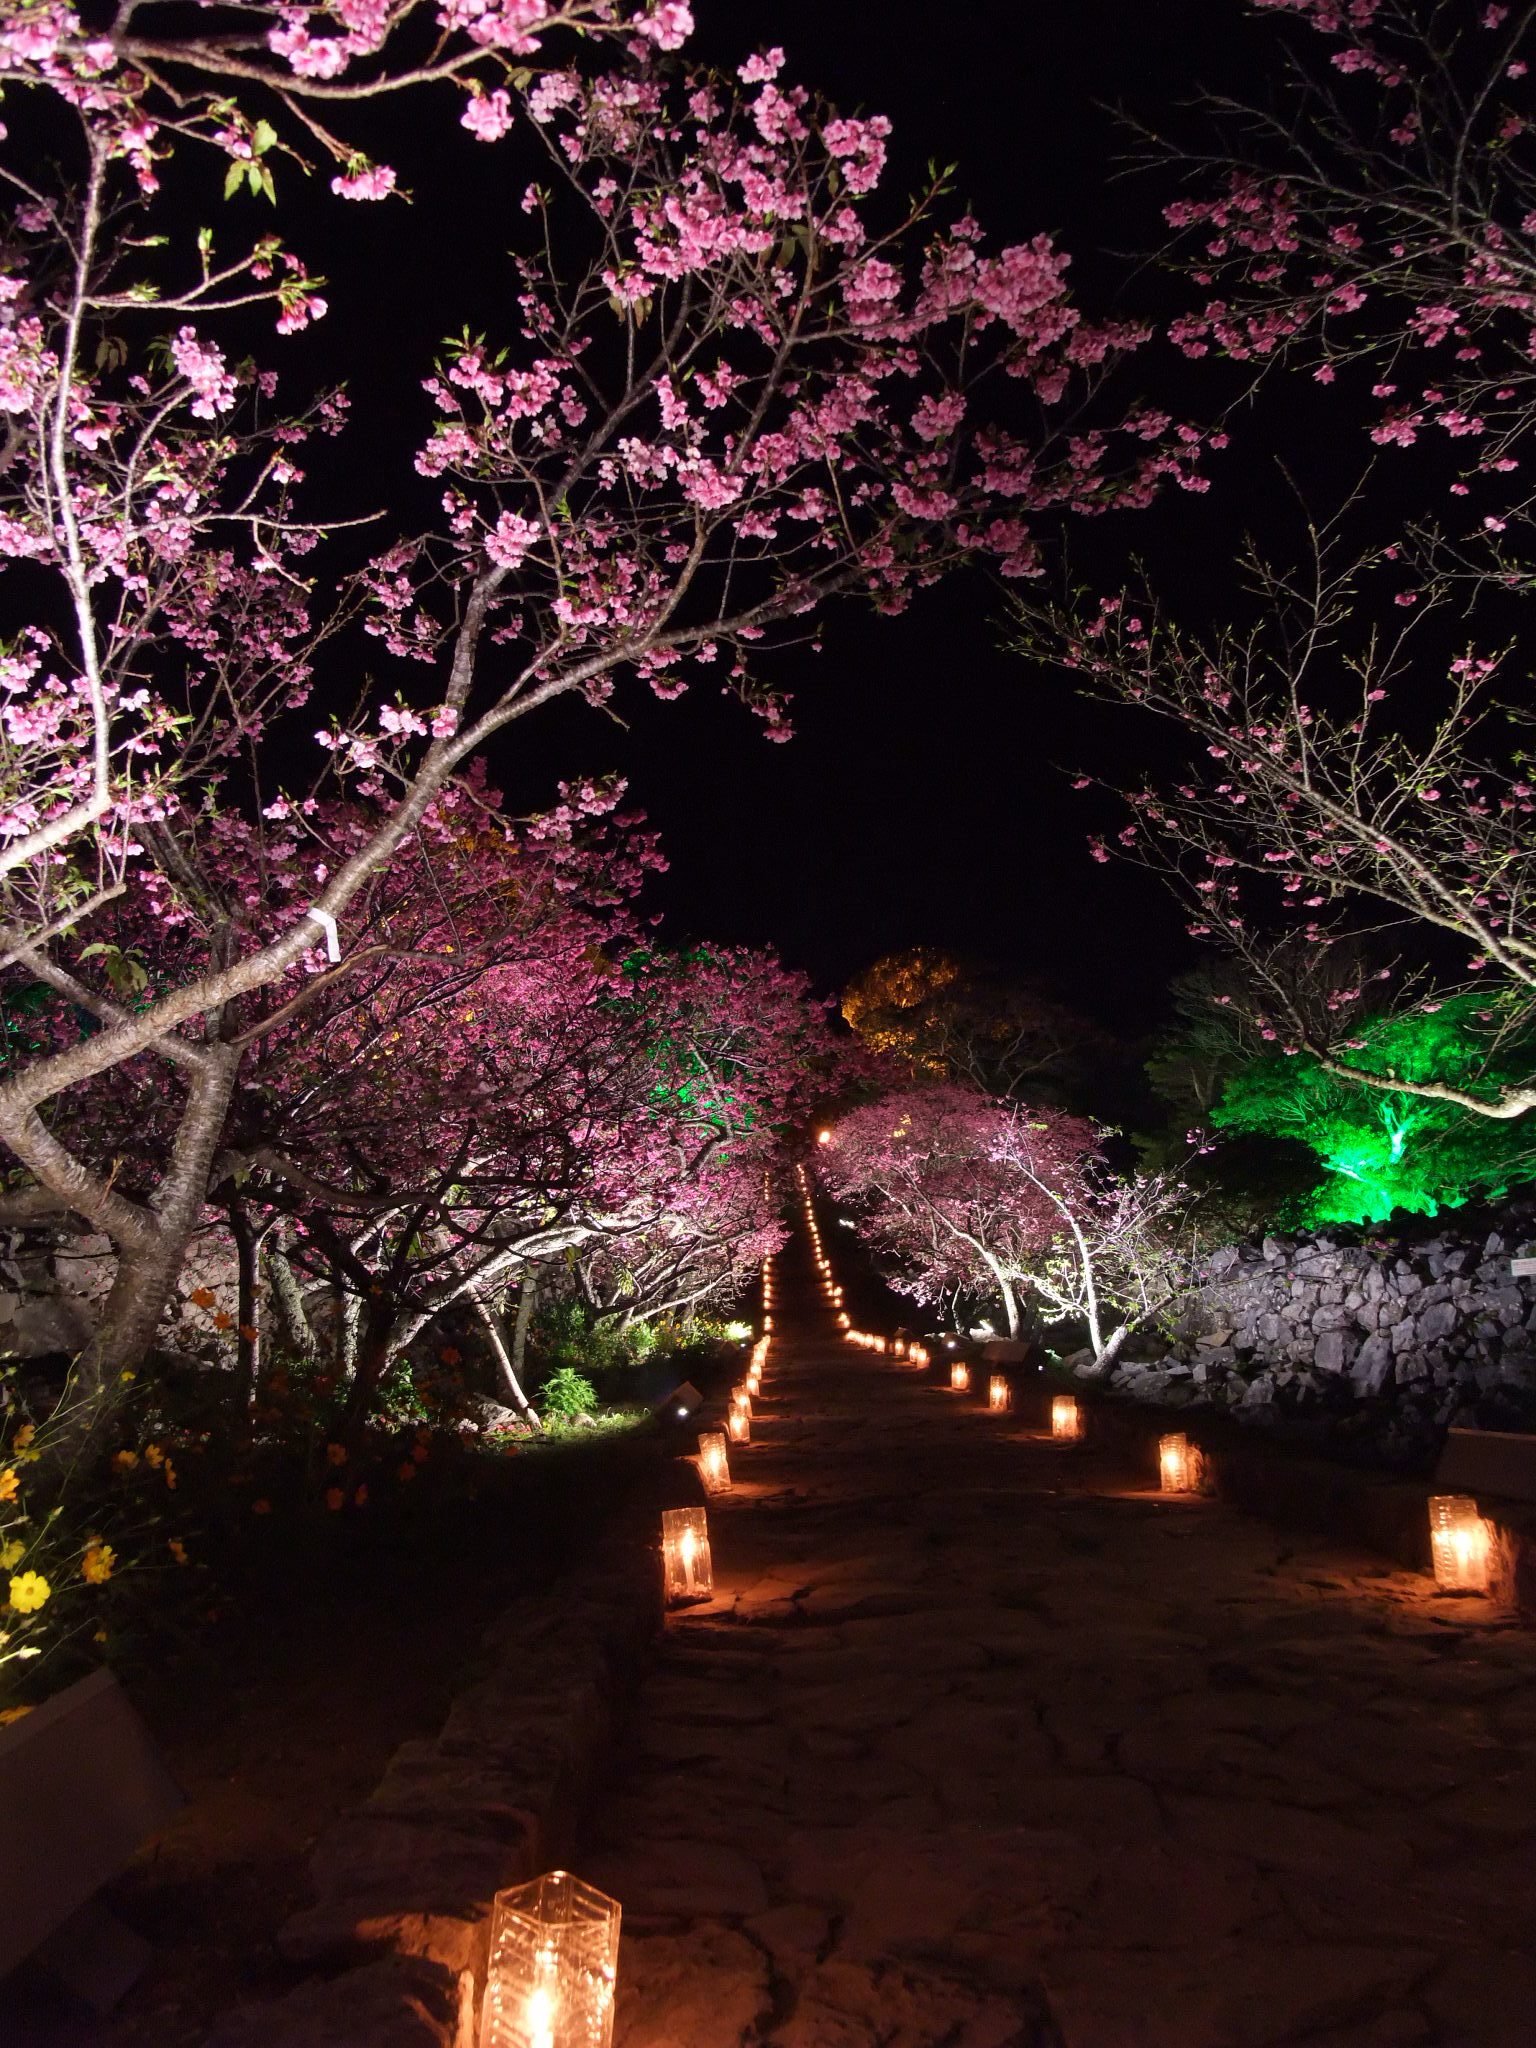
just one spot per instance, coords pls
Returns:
(262, 137)
(232, 178)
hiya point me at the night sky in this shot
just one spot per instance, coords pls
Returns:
(923, 798)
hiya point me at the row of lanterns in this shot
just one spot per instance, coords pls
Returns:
(555, 1942)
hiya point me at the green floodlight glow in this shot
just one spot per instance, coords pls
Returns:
(1377, 1151)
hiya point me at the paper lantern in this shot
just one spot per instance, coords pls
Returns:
(1178, 1463)
(553, 1966)
(714, 1466)
(685, 1555)
(1460, 1543)
(997, 1391)
(741, 1399)
(754, 1383)
(1066, 1418)
(844, 1321)
(739, 1423)
(960, 1376)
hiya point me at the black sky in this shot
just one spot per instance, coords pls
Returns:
(923, 799)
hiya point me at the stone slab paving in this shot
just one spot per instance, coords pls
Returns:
(982, 1743)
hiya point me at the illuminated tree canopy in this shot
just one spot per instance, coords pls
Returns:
(1379, 1152)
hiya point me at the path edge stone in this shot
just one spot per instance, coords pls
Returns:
(393, 1947)
(1384, 1513)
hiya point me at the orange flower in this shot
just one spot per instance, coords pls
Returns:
(124, 1461)
(421, 1453)
(450, 1355)
(336, 1454)
(334, 1498)
(261, 1507)
(223, 1320)
(360, 1498)
(249, 1332)
(23, 1437)
(153, 1455)
(202, 1297)
(9, 1484)
(178, 1549)
(407, 1470)
(170, 1476)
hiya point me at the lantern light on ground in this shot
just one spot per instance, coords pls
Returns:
(1178, 1463)
(685, 1555)
(960, 1376)
(997, 1392)
(1460, 1543)
(1066, 1418)
(554, 1961)
(741, 1399)
(739, 1423)
(714, 1466)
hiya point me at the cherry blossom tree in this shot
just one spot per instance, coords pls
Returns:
(970, 1194)
(1360, 782)
(740, 385)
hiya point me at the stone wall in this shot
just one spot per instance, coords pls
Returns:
(1433, 1328)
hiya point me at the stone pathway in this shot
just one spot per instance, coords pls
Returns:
(981, 1744)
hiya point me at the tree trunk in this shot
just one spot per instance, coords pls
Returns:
(373, 1356)
(147, 1273)
(249, 1317)
(288, 1299)
(508, 1370)
(525, 1301)
(1010, 1304)
(1106, 1354)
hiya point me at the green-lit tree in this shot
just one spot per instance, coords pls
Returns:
(1383, 1150)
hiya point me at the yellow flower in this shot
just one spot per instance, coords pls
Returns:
(9, 1483)
(10, 1714)
(11, 1553)
(153, 1455)
(124, 1461)
(29, 1591)
(177, 1548)
(24, 1435)
(96, 1565)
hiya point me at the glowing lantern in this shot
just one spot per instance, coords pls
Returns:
(823, 1137)
(844, 1321)
(741, 1399)
(997, 1391)
(1460, 1544)
(898, 1349)
(1066, 1418)
(685, 1554)
(739, 1423)
(754, 1383)
(554, 1963)
(960, 1376)
(1178, 1462)
(714, 1467)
